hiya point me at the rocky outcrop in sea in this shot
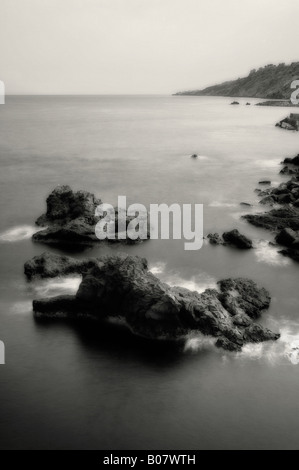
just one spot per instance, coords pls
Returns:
(70, 219)
(122, 287)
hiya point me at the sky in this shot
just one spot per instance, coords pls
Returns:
(140, 46)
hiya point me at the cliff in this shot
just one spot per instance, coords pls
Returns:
(271, 81)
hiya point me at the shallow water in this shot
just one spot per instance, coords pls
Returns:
(70, 386)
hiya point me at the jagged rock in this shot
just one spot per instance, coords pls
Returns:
(289, 124)
(121, 286)
(70, 219)
(235, 238)
(276, 219)
(288, 171)
(286, 237)
(268, 201)
(292, 161)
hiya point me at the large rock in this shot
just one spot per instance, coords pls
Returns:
(287, 237)
(292, 161)
(70, 219)
(235, 238)
(122, 286)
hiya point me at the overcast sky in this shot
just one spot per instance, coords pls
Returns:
(140, 46)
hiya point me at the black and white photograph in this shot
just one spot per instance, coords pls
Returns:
(149, 230)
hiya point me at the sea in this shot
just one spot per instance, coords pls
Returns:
(75, 386)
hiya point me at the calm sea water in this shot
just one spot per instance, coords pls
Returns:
(66, 386)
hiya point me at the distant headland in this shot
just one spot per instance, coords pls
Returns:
(271, 82)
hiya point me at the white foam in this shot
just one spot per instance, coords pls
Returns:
(268, 254)
(157, 268)
(57, 286)
(16, 234)
(285, 348)
(199, 283)
(222, 204)
(199, 342)
(22, 307)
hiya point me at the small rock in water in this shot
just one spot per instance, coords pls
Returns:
(245, 204)
(265, 182)
(235, 102)
(235, 238)
(194, 155)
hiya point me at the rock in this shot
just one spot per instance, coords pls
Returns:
(245, 204)
(292, 161)
(194, 155)
(215, 239)
(276, 219)
(268, 200)
(235, 238)
(248, 104)
(265, 182)
(285, 198)
(291, 253)
(121, 286)
(49, 265)
(235, 102)
(70, 219)
(286, 237)
(288, 171)
(289, 124)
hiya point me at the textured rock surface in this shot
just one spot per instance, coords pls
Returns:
(70, 218)
(121, 286)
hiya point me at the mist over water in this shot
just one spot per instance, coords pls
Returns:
(81, 386)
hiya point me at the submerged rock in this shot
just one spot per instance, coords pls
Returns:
(121, 286)
(235, 102)
(265, 182)
(70, 218)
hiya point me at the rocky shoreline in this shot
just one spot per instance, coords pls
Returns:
(122, 287)
(283, 219)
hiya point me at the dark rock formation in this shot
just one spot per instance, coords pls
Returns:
(246, 204)
(286, 170)
(292, 161)
(235, 238)
(232, 238)
(235, 102)
(70, 218)
(289, 123)
(276, 219)
(287, 237)
(194, 155)
(121, 286)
